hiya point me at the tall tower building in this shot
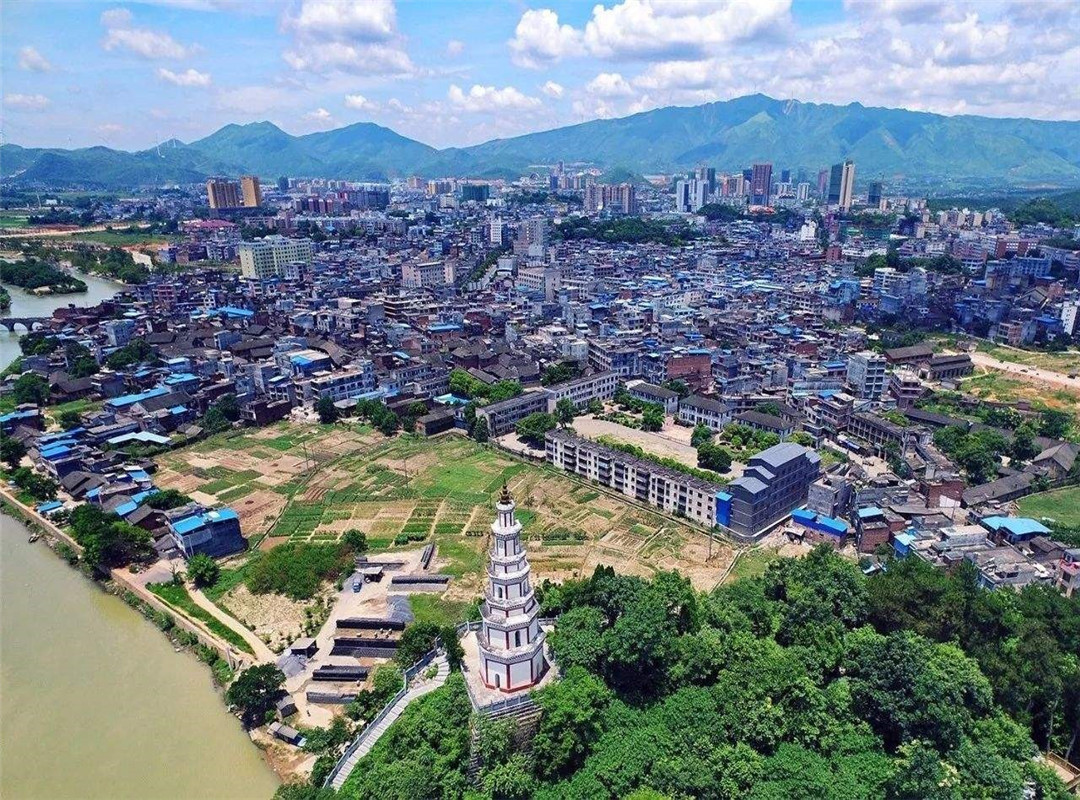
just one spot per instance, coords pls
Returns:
(873, 196)
(836, 178)
(223, 193)
(847, 185)
(510, 641)
(760, 184)
(249, 185)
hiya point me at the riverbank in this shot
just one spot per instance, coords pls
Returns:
(96, 704)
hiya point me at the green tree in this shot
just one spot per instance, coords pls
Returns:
(596, 406)
(571, 722)
(355, 540)
(1024, 447)
(1055, 424)
(326, 410)
(11, 451)
(678, 386)
(702, 433)
(714, 457)
(577, 639)
(31, 388)
(652, 418)
(203, 570)
(564, 412)
(255, 691)
(533, 427)
(68, 419)
(480, 430)
(214, 421)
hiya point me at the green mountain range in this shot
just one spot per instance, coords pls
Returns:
(892, 144)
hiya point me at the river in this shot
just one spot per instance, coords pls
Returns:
(94, 702)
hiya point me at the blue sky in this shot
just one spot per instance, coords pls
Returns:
(447, 72)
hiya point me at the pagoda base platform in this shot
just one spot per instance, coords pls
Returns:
(480, 693)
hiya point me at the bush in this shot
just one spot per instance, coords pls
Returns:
(297, 569)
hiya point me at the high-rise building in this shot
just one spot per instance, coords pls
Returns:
(475, 192)
(836, 178)
(510, 640)
(249, 184)
(267, 257)
(283, 184)
(223, 193)
(803, 191)
(847, 185)
(873, 196)
(785, 176)
(760, 184)
(823, 183)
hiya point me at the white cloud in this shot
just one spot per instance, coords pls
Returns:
(320, 116)
(357, 102)
(488, 99)
(120, 34)
(552, 89)
(109, 128)
(27, 102)
(645, 28)
(682, 75)
(609, 84)
(367, 21)
(31, 60)
(372, 59)
(190, 77)
(970, 41)
(540, 40)
(455, 47)
(354, 37)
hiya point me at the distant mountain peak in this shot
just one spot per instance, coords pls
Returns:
(727, 134)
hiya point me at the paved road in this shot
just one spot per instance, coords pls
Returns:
(1030, 373)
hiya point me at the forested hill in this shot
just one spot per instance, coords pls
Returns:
(810, 681)
(887, 144)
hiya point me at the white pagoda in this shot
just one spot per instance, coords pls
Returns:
(510, 640)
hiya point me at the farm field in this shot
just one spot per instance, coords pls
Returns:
(311, 483)
(1062, 505)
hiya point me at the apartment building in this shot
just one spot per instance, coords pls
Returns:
(504, 415)
(636, 478)
(267, 257)
(427, 274)
(775, 482)
(696, 410)
(866, 374)
(657, 395)
(356, 381)
(580, 391)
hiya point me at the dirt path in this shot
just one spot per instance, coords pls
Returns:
(1033, 374)
(263, 653)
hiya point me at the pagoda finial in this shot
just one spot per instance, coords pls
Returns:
(505, 497)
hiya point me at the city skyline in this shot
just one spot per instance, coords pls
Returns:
(500, 69)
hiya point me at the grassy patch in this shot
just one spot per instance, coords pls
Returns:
(464, 556)
(751, 564)
(176, 595)
(1062, 505)
(433, 608)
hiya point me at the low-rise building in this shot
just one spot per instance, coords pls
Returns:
(697, 410)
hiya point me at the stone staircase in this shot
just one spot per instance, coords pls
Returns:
(387, 717)
(526, 718)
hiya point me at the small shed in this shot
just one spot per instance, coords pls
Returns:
(286, 734)
(304, 646)
(286, 707)
(370, 573)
